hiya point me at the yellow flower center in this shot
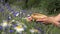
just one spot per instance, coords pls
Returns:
(20, 26)
(36, 30)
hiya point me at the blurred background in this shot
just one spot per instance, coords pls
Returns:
(13, 12)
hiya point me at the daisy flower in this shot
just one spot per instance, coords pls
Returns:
(22, 24)
(19, 28)
(4, 24)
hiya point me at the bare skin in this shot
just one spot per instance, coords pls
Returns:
(45, 19)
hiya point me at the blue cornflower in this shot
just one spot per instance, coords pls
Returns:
(9, 8)
(40, 30)
(1, 9)
(12, 12)
(1, 27)
(14, 25)
(16, 13)
(11, 31)
(9, 17)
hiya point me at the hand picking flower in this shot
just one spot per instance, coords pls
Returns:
(45, 19)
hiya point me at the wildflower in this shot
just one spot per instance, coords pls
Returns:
(0, 27)
(4, 24)
(9, 9)
(11, 12)
(1, 9)
(14, 25)
(25, 26)
(19, 28)
(23, 14)
(20, 12)
(39, 29)
(9, 17)
(16, 14)
(33, 30)
(28, 15)
(11, 31)
(13, 21)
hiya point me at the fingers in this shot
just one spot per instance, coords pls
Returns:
(29, 18)
(57, 24)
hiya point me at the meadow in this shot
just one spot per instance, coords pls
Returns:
(12, 21)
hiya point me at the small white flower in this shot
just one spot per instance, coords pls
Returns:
(28, 15)
(33, 30)
(19, 28)
(4, 24)
(9, 17)
(13, 20)
(20, 12)
(25, 26)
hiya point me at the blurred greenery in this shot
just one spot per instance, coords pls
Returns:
(51, 6)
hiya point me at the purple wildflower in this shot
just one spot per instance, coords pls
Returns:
(14, 25)
(9, 8)
(11, 31)
(9, 17)
(0, 27)
(16, 13)
(40, 30)
(1, 9)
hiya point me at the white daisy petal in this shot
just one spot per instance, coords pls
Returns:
(33, 30)
(4, 24)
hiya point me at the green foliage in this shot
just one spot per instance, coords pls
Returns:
(51, 6)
